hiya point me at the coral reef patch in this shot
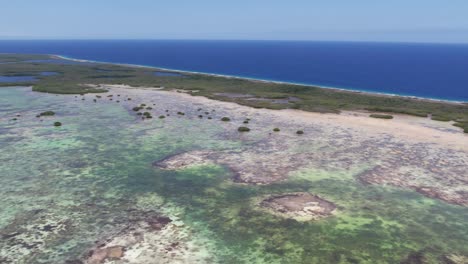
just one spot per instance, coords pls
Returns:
(299, 206)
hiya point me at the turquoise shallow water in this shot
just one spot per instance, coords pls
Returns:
(75, 173)
(64, 188)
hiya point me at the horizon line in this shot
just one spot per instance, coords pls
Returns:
(221, 40)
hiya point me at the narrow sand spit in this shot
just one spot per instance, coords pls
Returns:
(427, 156)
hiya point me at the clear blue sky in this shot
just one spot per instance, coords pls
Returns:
(366, 20)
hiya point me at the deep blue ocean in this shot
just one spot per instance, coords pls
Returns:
(437, 71)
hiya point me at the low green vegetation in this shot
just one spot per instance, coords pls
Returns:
(225, 119)
(381, 116)
(398, 111)
(15, 58)
(276, 129)
(65, 88)
(57, 124)
(299, 132)
(111, 76)
(147, 115)
(441, 118)
(243, 129)
(463, 125)
(47, 113)
(162, 117)
(85, 78)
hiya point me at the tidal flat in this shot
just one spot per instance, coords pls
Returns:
(111, 186)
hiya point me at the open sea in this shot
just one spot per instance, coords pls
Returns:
(438, 71)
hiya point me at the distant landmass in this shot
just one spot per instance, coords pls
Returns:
(435, 71)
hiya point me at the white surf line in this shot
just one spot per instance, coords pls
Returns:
(266, 81)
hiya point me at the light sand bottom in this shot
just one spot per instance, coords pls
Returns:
(427, 156)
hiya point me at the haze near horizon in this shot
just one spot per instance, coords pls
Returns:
(362, 20)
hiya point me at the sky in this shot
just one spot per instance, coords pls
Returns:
(443, 21)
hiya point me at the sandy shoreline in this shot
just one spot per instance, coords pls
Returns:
(267, 81)
(411, 128)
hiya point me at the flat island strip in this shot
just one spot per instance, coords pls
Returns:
(74, 74)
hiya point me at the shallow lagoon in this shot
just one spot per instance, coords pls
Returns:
(25, 78)
(62, 189)
(7, 79)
